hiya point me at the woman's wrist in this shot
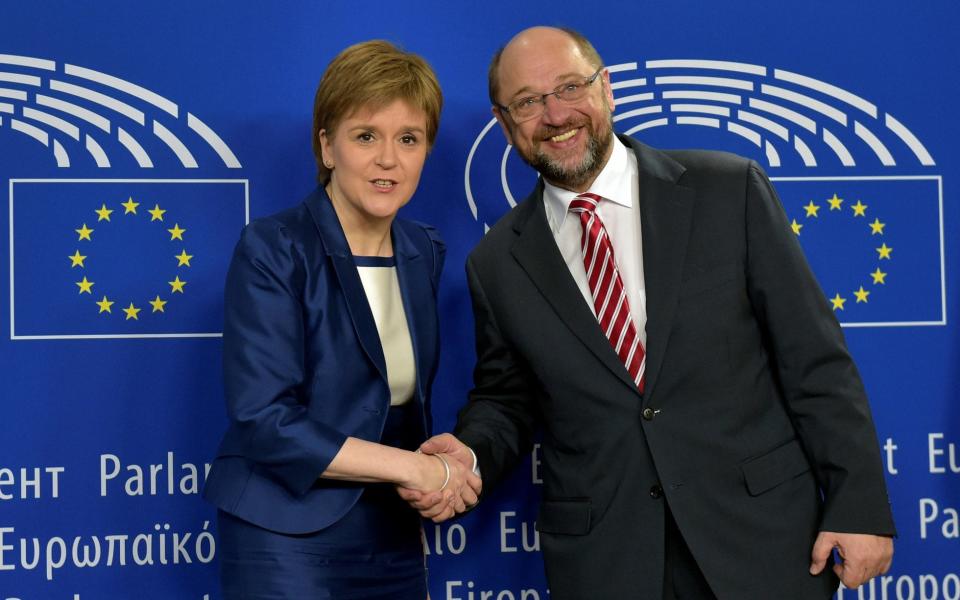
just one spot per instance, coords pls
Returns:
(430, 472)
(446, 469)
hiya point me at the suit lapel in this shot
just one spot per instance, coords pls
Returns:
(413, 274)
(335, 243)
(666, 210)
(538, 255)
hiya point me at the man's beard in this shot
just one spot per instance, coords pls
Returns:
(590, 165)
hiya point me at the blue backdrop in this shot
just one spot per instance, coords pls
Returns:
(136, 139)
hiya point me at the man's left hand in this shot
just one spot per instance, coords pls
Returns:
(863, 556)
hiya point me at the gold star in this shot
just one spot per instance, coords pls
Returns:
(85, 286)
(105, 305)
(812, 209)
(884, 251)
(877, 227)
(156, 213)
(878, 276)
(76, 260)
(84, 233)
(861, 295)
(837, 302)
(796, 227)
(859, 209)
(103, 213)
(183, 258)
(130, 206)
(157, 304)
(132, 312)
(176, 285)
(835, 202)
(176, 233)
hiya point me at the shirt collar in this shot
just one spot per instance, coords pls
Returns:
(610, 183)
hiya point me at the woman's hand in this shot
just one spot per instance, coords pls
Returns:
(437, 485)
(441, 495)
(432, 473)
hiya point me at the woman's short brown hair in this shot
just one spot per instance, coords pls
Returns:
(372, 75)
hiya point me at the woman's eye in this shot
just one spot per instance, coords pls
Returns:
(408, 139)
(365, 137)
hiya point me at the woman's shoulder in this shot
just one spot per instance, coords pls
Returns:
(420, 232)
(290, 225)
(286, 220)
(426, 239)
(279, 242)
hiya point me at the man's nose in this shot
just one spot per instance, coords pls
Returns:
(554, 111)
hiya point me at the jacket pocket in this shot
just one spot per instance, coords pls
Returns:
(569, 517)
(781, 464)
(716, 277)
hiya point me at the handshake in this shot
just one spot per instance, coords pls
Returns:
(452, 463)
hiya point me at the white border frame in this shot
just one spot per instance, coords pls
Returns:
(943, 271)
(13, 336)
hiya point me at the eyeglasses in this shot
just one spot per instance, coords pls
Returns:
(531, 107)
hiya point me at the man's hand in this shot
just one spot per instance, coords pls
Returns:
(863, 556)
(441, 505)
(446, 443)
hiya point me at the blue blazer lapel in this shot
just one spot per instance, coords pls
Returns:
(335, 244)
(415, 276)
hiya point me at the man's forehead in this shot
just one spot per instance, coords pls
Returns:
(539, 44)
(531, 63)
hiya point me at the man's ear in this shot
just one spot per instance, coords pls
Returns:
(608, 91)
(504, 126)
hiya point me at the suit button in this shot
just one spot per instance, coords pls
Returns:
(656, 492)
(648, 414)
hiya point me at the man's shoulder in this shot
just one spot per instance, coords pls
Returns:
(709, 159)
(499, 238)
(690, 160)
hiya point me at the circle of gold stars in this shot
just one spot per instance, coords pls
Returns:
(884, 252)
(105, 304)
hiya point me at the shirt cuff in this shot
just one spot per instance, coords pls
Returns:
(476, 465)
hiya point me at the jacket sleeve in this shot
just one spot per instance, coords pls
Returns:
(263, 360)
(501, 415)
(821, 387)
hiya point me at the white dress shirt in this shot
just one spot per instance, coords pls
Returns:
(379, 278)
(620, 213)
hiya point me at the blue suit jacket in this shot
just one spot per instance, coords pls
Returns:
(303, 365)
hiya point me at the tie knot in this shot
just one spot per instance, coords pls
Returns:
(585, 203)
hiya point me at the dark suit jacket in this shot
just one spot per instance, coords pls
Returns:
(303, 365)
(752, 409)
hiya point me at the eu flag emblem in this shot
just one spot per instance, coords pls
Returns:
(875, 245)
(121, 258)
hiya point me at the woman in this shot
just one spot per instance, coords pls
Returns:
(330, 347)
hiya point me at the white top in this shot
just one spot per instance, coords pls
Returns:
(620, 213)
(379, 277)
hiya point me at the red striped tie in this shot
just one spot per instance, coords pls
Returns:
(609, 298)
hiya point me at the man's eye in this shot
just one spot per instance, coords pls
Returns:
(526, 102)
(570, 88)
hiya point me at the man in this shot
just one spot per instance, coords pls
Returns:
(705, 431)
